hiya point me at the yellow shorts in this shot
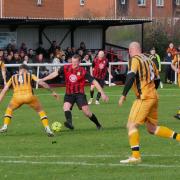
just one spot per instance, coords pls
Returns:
(144, 110)
(18, 101)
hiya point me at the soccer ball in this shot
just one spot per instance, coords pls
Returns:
(56, 126)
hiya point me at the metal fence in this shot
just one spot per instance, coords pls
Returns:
(111, 64)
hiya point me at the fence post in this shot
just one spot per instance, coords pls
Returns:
(37, 77)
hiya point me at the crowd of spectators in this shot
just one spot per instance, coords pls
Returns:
(55, 55)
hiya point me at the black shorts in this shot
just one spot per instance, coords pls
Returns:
(100, 81)
(79, 99)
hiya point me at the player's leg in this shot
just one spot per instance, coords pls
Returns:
(153, 128)
(68, 104)
(81, 102)
(101, 82)
(91, 116)
(13, 105)
(36, 105)
(91, 94)
(177, 116)
(138, 114)
(161, 131)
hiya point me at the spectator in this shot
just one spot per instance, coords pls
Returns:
(40, 50)
(53, 47)
(8, 48)
(23, 48)
(171, 49)
(90, 55)
(156, 59)
(32, 57)
(26, 61)
(74, 51)
(63, 58)
(68, 52)
(21, 56)
(87, 60)
(5, 55)
(82, 47)
(168, 70)
(43, 71)
(56, 61)
(81, 54)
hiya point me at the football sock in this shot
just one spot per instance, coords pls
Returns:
(68, 116)
(44, 119)
(94, 119)
(134, 143)
(98, 96)
(92, 93)
(164, 132)
(7, 116)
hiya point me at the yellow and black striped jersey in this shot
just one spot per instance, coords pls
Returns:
(22, 83)
(146, 72)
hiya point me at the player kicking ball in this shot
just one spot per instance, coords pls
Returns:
(144, 77)
(23, 94)
(75, 77)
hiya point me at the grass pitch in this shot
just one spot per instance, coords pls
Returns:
(85, 153)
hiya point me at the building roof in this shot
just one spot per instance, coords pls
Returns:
(70, 21)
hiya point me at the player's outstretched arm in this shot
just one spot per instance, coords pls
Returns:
(3, 92)
(99, 88)
(51, 76)
(46, 86)
(4, 75)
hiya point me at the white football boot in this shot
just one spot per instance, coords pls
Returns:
(49, 132)
(90, 101)
(3, 129)
(131, 160)
(97, 102)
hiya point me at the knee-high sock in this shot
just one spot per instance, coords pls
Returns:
(134, 142)
(98, 96)
(167, 133)
(44, 118)
(164, 132)
(94, 119)
(68, 116)
(8, 116)
(92, 93)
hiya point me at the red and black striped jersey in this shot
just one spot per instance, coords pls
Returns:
(100, 67)
(75, 79)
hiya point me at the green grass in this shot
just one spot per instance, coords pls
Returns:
(85, 153)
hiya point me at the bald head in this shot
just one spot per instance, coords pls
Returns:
(101, 54)
(134, 49)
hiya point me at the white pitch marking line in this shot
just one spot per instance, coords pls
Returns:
(83, 156)
(88, 164)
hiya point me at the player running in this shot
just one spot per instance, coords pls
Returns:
(144, 78)
(100, 67)
(75, 77)
(23, 94)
